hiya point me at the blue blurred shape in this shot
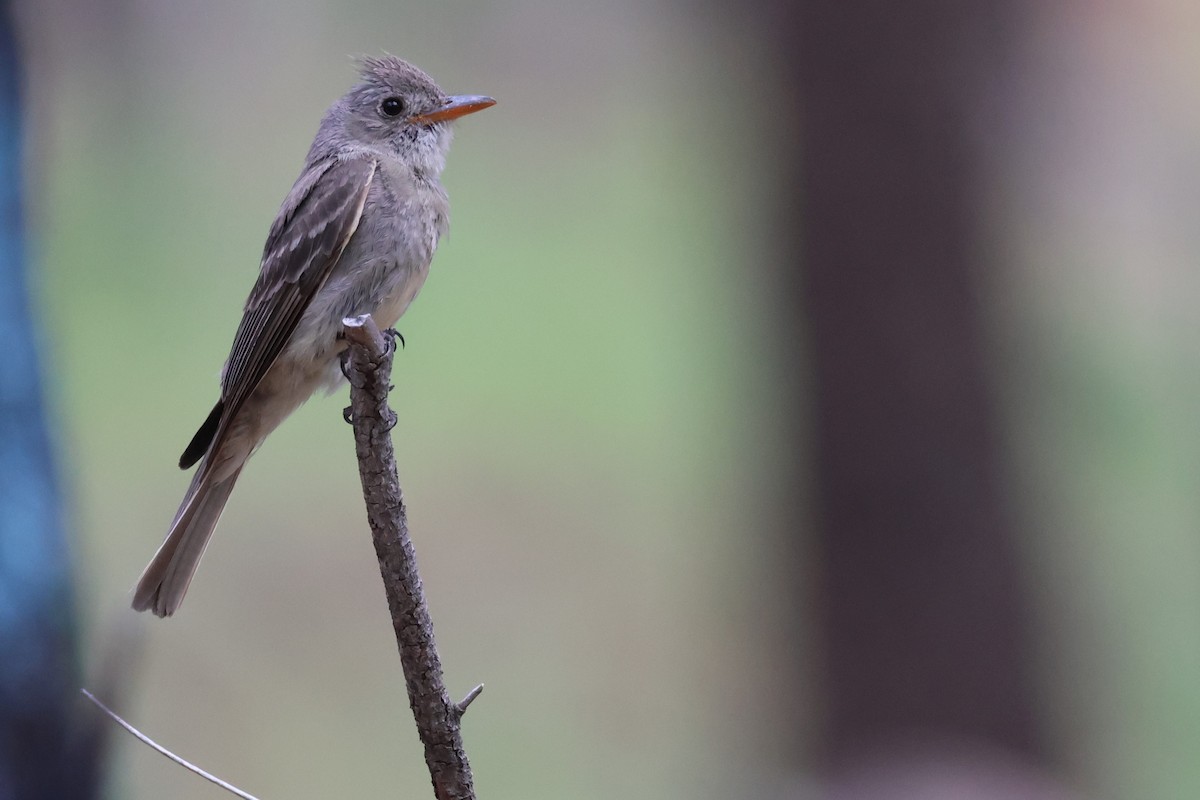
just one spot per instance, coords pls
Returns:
(41, 752)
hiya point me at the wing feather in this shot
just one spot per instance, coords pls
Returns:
(315, 223)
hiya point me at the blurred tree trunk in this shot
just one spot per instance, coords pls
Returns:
(923, 621)
(44, 755)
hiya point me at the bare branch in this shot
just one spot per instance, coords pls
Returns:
(164, 751)
(437, 716)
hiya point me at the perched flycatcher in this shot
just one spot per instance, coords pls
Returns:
(354, 236)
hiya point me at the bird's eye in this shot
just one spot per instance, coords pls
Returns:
(392, 107)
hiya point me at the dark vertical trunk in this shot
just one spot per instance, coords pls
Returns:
(923, 617)
(43, 755)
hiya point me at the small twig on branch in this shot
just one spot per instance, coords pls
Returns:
(470, 698)
(437, 716)
(164, 751)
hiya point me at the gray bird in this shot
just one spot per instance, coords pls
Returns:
(354, 236)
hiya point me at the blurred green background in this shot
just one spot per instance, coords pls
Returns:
(592, 392)
(580, 399)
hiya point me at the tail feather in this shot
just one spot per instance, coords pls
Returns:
(166, 578)
(203, 439)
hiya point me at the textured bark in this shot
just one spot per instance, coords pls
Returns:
(436, 715)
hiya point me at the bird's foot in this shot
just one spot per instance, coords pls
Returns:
(394, 336)
(390, 421)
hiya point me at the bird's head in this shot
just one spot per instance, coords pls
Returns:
(397, 107)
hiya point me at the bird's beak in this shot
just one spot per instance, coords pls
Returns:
(455, 107)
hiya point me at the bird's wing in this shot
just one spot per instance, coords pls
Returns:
(313, 226)
(308, 236)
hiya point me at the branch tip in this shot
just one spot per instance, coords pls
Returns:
(470, 698)
(364, 331)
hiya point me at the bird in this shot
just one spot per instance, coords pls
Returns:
(355, 235)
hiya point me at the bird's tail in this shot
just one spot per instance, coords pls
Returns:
(165, 580)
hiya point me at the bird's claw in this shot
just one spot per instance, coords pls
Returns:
(394, 336)
(389, 422)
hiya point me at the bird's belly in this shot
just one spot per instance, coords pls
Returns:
(381, 287)
(397, 296)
